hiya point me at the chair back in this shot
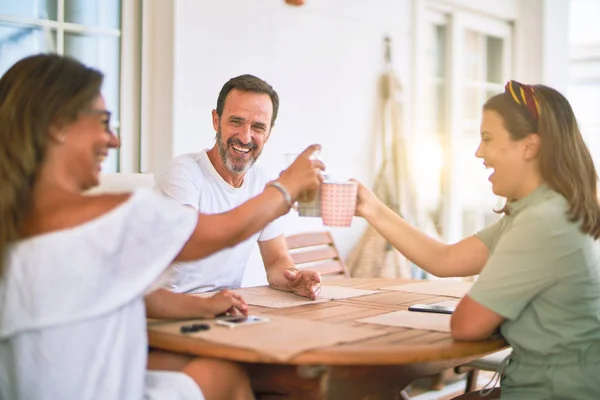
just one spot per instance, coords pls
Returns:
(123, 182)
(317, 251)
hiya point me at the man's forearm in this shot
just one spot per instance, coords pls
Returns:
(163, 303)
(275, 275)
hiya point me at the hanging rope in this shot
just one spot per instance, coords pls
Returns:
(394, 185)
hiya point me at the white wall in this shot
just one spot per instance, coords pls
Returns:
(157, 100)
(323, 59)
(541, 43)
(502, 9)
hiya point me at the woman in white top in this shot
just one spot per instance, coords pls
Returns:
(74, 269)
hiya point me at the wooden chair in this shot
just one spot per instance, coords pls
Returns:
(317, 251)
(491, 362)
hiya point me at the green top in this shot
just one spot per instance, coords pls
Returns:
(543, 276)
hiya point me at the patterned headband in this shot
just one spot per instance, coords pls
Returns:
(524, 95)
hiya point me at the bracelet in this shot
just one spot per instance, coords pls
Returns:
(284, 192)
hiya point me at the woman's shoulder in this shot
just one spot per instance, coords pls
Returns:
(107, 252)
(87, 208)
(550, 219)
(80, 212)
(552, 207)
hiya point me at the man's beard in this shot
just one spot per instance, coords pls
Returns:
(239, 167)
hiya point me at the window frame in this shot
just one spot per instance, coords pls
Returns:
(128, 156)
(457, 21)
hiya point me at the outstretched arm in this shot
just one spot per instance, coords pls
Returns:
(218, 231)
(464, 258)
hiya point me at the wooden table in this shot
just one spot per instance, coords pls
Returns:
(379, 366)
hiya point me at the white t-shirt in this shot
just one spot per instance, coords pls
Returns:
(192, 180)
(72, 316)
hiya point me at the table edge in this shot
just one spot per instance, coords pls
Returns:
(337, 355)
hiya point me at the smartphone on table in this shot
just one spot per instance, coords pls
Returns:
(432, 308)
(241, 320)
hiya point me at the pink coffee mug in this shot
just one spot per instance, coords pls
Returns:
(338, 203)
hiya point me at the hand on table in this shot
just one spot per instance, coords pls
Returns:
(304, 282)
(225, 301)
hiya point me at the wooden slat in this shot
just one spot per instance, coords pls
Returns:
(293, 311)
(314, 255)
(372, 283)
(312, 247)
(367, 283)
(430, 337)
(308, 239)
(398, 298)
(328, 312)
(362, 313)
(398, 336)
(327, 268)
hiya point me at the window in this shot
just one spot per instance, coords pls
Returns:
(89, 30)
(432, 127)
(483, 77)
(584, 71)
(465, 59)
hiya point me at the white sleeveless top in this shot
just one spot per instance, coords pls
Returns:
(72, 316)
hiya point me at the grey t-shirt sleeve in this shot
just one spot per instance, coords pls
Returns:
(181, 182)
(526, 261)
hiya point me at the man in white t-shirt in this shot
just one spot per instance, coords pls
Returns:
(217, 180)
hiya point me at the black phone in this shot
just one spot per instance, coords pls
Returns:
(432, 308)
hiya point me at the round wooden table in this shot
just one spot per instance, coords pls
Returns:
(382, 364)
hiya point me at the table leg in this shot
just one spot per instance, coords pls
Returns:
(338, 383)
(354, 383)
(289, 382)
